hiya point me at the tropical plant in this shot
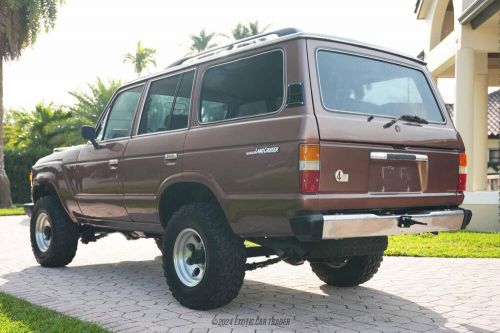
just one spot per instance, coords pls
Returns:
(51, 126)
(240, 31)
(90, 105)
(255, 29)
(45, 126)
(251, 29)
(21, 23)
(202, 41)
(143, 57)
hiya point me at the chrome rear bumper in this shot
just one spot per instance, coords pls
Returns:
(366, 225)
(317, 227)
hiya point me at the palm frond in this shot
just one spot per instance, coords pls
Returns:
(141, 59)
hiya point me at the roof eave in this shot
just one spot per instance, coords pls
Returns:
(475, 9)
(422, 9)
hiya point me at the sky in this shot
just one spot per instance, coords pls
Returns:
(91, 37)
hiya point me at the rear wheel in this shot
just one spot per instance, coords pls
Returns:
(348, 271)
(203, 260)
(54, 237)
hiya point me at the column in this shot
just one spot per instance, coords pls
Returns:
(464, 105)
(480, 162)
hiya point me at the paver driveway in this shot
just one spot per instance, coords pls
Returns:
(119, 284)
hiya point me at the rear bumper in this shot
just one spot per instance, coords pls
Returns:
(318, 226)
(28, 208)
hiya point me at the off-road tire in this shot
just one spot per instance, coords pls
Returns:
(159, 242)
(225, 257)
(348, 247)
(64, 234)
(355, 271)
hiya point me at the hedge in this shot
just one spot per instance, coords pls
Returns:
(18, 165)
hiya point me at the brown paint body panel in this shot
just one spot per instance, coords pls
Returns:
(260, 193)
(99, 189)
(145, 168)
(348, 139)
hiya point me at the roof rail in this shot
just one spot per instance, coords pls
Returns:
(237, 44)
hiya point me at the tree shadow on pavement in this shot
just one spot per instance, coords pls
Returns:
(133, 295)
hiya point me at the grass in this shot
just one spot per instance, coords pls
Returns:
(12, 211)
(460, 244)
(18, 316)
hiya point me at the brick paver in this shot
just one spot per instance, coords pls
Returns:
(119, 284)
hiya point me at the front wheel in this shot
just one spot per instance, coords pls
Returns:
(54, 237)
(203, 260)
(349, 271)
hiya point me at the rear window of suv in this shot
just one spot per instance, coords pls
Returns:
(244, 88)
(356, 84)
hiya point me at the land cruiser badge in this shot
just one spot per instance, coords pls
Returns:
(341, 177)
(264, 150)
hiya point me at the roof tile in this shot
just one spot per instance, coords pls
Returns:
(493, 113)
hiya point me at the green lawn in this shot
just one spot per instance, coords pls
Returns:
(12, 211)
(461, 244)
(18, 316)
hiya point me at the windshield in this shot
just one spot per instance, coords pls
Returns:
(352, 83)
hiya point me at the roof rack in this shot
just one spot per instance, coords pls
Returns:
(237, 44)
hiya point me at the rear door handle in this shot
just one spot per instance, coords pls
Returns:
(398, 156)
(113, 164)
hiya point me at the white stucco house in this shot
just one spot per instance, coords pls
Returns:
(464, 43)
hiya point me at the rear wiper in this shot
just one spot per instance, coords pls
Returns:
(406, 117)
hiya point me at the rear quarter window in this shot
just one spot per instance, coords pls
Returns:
(243, 88)
(356, 84)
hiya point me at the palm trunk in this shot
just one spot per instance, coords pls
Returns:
(5, 199)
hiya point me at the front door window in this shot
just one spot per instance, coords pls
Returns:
(121, 116)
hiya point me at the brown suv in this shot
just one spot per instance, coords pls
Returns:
(312, 147)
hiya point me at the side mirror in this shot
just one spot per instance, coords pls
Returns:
(88, 133)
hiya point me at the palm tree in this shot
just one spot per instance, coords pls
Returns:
(251, 29)
(143, 57)
(51, 126)
(201, 42)
(240, 32)
(43, 127)
(88, 107)
(254, 28)
(22, 22)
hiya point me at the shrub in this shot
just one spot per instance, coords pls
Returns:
(18, 163)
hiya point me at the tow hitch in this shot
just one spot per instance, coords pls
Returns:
(406, 221)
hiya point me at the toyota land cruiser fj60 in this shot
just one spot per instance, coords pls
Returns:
(312, 147)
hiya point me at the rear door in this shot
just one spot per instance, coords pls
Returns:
(367, 157)
(155, 154)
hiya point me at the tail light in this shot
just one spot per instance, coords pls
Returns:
(309, 168)
(462, 172)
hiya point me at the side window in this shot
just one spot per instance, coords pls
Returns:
(100, 126)
(121, 115)
(167, 104)
(180, 113)
(243, 88)
(158, 105)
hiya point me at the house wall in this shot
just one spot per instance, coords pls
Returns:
(467, 50)
(485, 211)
